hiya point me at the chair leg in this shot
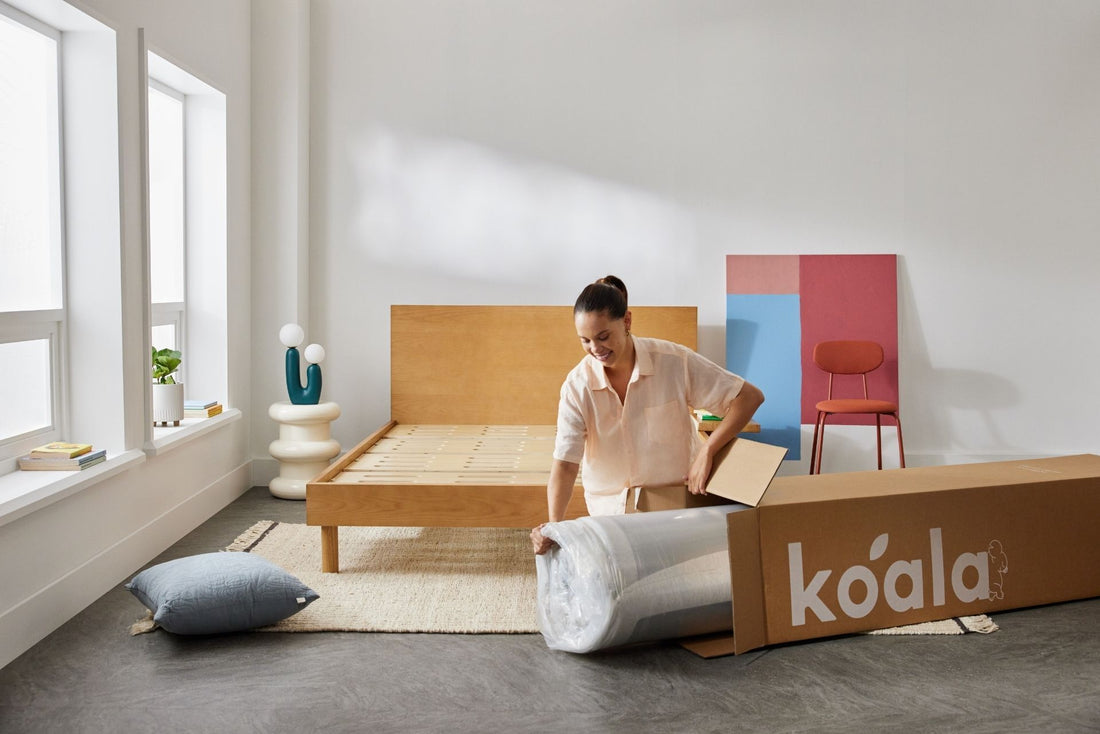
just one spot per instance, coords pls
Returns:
(816, 466)
(901, 448)
(878, 438)
(813, 448)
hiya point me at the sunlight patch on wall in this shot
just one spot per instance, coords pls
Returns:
(466, 210)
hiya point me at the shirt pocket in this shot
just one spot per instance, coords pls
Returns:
(665, 423)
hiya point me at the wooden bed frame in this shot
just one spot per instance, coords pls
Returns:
(473, 405)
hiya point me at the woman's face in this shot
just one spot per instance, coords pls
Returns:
(606, 339)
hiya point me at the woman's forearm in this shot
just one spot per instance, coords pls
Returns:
(559, 490)
(740, 412)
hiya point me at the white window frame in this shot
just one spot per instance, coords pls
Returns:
(44, 324)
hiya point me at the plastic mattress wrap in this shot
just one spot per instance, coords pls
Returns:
(620, 579)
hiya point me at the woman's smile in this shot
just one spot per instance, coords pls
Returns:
(606, 339)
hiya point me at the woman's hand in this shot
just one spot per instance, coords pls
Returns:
(559, 490)
(699, 472)
(733, 422)
(539, 542)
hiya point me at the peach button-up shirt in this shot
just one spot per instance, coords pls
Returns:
(650, 438)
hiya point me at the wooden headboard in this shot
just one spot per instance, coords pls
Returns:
(498, 365)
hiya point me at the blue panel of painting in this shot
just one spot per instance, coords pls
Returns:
(763, 345)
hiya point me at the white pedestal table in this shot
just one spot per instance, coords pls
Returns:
(305, 446)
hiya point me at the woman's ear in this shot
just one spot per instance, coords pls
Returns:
(626, 321)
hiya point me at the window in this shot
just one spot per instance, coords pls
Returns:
(32, 303)
(167, 234)
(62, 374)
(187, 234)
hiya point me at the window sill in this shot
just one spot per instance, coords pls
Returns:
(167, 438)
(23, 492)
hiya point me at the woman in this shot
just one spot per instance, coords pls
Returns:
(625, 413)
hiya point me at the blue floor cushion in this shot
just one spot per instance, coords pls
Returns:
(220, 592)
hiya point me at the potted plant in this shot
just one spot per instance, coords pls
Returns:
(167, 393)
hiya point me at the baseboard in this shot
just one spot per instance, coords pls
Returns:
(264, 469)
(27, 623)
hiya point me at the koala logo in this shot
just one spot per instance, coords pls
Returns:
(998, 565)
(970, 577)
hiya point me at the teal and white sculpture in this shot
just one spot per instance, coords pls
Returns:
(291, 335)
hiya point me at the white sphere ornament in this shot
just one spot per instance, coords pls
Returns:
(291, 335)
(315, 354)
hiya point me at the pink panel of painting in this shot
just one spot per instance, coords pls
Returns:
(762, 274)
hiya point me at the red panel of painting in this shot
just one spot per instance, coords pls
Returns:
(848, 297)
(762, 275)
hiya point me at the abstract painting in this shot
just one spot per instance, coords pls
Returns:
(779, 306)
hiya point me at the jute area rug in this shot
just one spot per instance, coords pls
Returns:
(447, 580)
(451, 580)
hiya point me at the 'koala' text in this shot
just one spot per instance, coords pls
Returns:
(806, 596)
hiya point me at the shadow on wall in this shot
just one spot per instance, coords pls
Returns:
(947, 413)
(747, 333)
(979, 394)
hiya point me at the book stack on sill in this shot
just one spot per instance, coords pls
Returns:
(201, 408)
(62, 456)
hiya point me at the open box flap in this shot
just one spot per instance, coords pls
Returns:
(749, 620)
(747, 581)
(743, 469)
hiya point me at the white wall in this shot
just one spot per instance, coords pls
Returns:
(57, 559)
(509, 153)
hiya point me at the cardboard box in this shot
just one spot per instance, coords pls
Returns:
(749, 465)
(835, 554)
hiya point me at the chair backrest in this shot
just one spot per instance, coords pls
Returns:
(848, 357)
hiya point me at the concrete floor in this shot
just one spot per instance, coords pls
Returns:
(1040, 672)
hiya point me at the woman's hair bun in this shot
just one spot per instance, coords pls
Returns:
(614, 282)
(608, 294)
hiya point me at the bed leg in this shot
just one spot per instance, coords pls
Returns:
(330, 549)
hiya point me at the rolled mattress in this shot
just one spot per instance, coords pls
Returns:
(619, 579)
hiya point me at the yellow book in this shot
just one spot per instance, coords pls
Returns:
(209, 412)
(61, 450)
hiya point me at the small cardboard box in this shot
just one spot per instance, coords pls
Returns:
(834, 554)
(754, 465)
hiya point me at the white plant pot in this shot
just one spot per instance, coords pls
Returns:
(167, 403)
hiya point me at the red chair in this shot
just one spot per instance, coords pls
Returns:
(850, 358)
